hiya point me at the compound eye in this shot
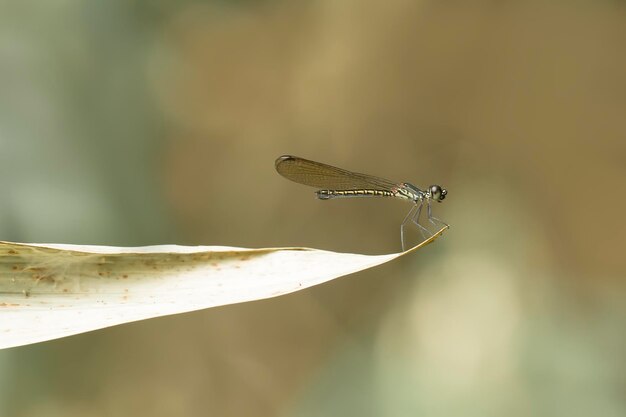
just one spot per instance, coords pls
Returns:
(437, 193)
(443, 194)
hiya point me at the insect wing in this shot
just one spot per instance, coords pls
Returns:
(316, 174)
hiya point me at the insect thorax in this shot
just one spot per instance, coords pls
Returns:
(411, 192)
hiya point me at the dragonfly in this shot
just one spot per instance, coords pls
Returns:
(335, 182)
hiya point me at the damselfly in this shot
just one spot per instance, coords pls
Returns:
(338, 183)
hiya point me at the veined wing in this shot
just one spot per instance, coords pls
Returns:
(316, 174)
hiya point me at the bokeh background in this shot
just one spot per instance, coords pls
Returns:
(139, 123)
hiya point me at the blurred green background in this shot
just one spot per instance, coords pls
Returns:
(139, 123)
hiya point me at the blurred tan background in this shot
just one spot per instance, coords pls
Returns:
(137, 123)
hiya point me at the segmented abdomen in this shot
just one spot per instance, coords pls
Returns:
(328, 194)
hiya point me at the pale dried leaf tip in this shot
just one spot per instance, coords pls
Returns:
(48, 291)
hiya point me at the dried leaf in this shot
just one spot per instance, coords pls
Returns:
(48, 291)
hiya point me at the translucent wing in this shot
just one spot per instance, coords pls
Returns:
(316, 174)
